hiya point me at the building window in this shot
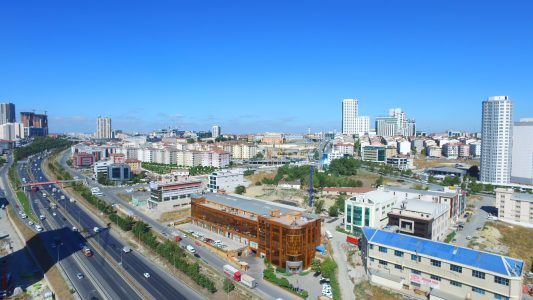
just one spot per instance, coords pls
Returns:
(371, 247)
(372, 259)
(382, 262)
(478, 290)
(415, 272)
(457, 269)
(502, 281)
(398, 253)
(415, 257)
(415, 284)
(500, 297)
(455, 283)
(382, 249)
(398, 267)
(478, 274)
(435, 263)
(435, 277)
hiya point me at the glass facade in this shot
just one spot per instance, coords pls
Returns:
(358, 216)
(367, 216)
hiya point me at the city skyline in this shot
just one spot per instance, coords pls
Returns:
(189, 66)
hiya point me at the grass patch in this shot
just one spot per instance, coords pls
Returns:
(450, 237)
(367, 291)
(175, 215)
(516, 238)
(26, 207)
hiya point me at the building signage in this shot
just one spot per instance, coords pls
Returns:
(424, 281)
(254, 245)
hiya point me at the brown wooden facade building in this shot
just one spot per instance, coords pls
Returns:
(286, 236)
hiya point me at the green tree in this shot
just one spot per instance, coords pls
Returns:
(240, 190)
(424, 152)
(357, 148)
(228, 285)
(318, 205)
(315, 265)
(473, 171)
(379, 181)
(316, 155)
(333, 211)
(328, 267)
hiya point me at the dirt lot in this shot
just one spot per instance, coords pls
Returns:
(175, 215)
(429, 163)
(367, 291)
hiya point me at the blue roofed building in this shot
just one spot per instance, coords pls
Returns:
(439, 270)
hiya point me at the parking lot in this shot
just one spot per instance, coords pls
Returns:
(210, 237)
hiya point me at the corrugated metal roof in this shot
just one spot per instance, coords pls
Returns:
(499, 264)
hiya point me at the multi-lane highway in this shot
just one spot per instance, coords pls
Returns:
(160, 285)
(264, 289)
(100, 279)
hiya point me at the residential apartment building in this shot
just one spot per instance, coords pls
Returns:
(273, 138)
(440, 271)
(515, 207)
(522, 153)
(225, 180)
(368, 209)
(242, 151)
(215, 158)
(362, 125)
(433, 151)
(7, 113)
(12, 131)
(284, 235)
(421, 218)
(103, 128)
(403, 147)
(343, 148)
(189, 158)
(34, 124)
(464, 150)
(475, 149)
(215, 131)
(496, 142)
(349, 116)
(450, 151)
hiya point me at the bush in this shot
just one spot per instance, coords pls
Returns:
(241, 189)
(228, 285)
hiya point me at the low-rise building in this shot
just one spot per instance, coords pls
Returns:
(403, 147)
(421, 218)
(285, 235)
(438, 270)
(343, 148)
(450, 150)
(513, 206)
(284, 184)
(373, 153)
(82, 160)
(226, 181)
(119, 172)
(101, 167)
(369, 209)
(433, 151)
(135, 165)
(464, 151)
(174, 195)
(400, 162)
(118, 158)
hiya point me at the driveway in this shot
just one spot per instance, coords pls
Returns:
(477, 220)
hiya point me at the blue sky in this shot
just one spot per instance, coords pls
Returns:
(263, 65)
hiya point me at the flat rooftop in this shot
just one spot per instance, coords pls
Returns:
(499, 264)
(256, 206)
(421, 192)
(415, 205)
(522, 197)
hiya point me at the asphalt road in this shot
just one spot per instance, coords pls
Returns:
(160, 285)
(477, 220)
(264, 289)
(101, 279)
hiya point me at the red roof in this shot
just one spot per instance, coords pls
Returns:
(359, 190)
(117, 154)
(132, 160)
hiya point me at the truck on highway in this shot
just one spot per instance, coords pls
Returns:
(233, 272)
(87, 251)
(248, 281)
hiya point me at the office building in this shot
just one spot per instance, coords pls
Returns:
(215, 131)
(103, 128)
(7, 113)
(349, 116)
(368, 209)
(373, 153)
(522, 153)
(400, 162)
(34, 124)
(362, 125)
(421, 218)
(496, 140)
(168, 196)
(225, 181)
(11, 131)
(513, 206)
(81, 160)
(386, 126)
(285, 235)
(437, 270)
(118, 172)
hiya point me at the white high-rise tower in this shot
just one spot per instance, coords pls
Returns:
(349, 115)
(103, 128)
(496, 140)
(215, 131)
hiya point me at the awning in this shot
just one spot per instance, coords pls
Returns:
(321, 249)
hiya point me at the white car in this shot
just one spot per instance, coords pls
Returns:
(30, 223)
(126, 249)
(54, 214)
(147, 275)
(24, 216)
(39, 228)
(42, 217)
(74, 228)
(96, 229)
(468, 237)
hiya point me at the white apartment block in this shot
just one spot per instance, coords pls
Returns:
(515, 207)
(362, 125)
(189, 158)
(464, 150)
(242, 151)
(451, 151)
(368, 209)
(216, 158)
(225, 180)
(433, 151)
(215, 131)
(496, 140)
(343, 148)
(475, 149)
(103, 128)
(349, 116)
(403, 147)
(438, 270)
(386, 126)
(11, 131)
(522, 154)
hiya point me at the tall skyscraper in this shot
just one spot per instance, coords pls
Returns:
(215, 131)
(7, 113)
(349, 115)
(362, 125)
(34, 124)
(386, 126)
(496, 140)
(103, 128)
(522, 153)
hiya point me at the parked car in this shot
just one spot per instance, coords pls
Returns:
(147, 275)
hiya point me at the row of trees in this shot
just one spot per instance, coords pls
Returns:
(40, 144)
(165, 169)
(327, 269)
(167, 249)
